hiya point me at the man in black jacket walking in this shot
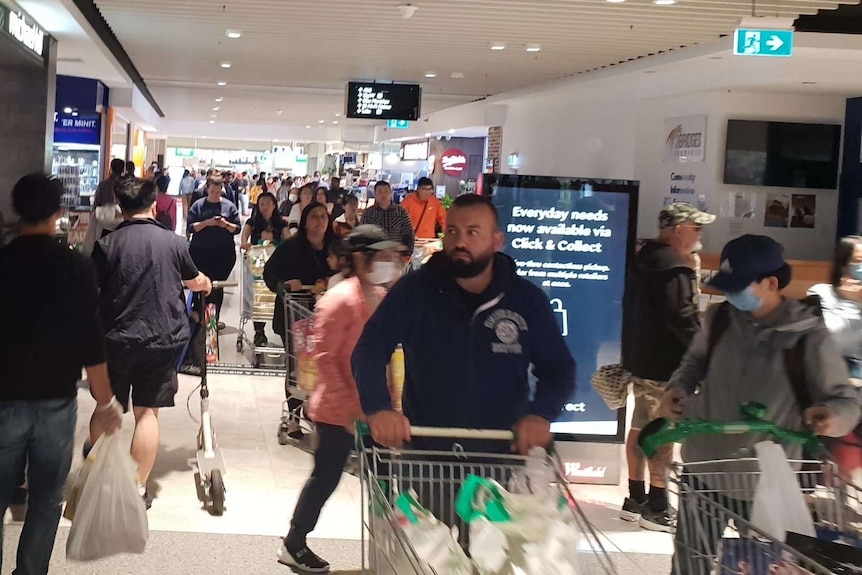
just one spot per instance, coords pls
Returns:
(661, 320)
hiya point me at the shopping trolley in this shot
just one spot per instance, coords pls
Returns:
(258, 302)
(714, 531)
(301, 374)
(436, 477)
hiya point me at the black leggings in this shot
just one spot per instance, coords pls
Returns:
(332, 453)
(217, 264)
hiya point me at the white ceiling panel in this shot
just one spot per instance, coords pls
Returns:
(297, 55)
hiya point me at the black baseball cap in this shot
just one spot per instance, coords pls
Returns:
(370, 238)
(746, 259)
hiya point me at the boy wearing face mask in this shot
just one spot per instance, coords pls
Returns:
(748, 362)
(340, 316)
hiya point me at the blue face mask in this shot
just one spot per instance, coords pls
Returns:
(856, 271)
(745, 300)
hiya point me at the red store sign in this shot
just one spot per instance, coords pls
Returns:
(453, 162)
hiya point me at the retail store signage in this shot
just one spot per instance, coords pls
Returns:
(397, 124)
(80, 129)
(453, 162)
(23, 29)
(685, 139)
(777, 43)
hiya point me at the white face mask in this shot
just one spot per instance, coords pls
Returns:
(382, 273)
(292, 198)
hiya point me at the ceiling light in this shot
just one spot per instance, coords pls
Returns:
(615, 1)
(219, 99)
(279, 112)
(452, 131)
(321, 121)
(213, 115)
(233, 34)
(75, 114)
(337, 115)
(67, 110)
(498, 46)
(217, 108)
(664, 2)
(457, 75)
(534, 47)
(334, 121)
(222, 83)
(427, 134)
(212, 121)
(204, 137)
(225, 64)
(307, 127)
(430, 74)
(276, 141)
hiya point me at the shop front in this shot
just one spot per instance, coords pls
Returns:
(27, 74)
(457, 164)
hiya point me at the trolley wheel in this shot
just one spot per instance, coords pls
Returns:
(283, 437)
(256, 362)
(239, 345)
(217, 492)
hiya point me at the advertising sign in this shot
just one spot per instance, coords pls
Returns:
(453, 162)
(414, 151)
(685, 140)
(23, 30)
(80, 129)
(572, 238)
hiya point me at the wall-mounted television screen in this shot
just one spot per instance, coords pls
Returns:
(782, 154)
(373, 101)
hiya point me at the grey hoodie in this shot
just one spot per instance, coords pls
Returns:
(748, 365)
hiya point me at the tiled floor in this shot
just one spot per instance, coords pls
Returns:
(263, 482)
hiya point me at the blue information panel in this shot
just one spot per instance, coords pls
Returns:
(79, 129)
(573, 237)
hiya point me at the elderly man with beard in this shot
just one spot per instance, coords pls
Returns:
(471, 331)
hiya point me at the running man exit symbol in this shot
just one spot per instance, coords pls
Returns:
(763, 43)
(557, 304)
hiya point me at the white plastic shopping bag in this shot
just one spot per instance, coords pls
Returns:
(779, 505)
(111, 517)
(434, 542)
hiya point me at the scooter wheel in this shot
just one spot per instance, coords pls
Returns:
(283, 437)
(217, 492)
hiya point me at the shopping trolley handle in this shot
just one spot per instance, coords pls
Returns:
(364, 429)
(223, 284)
(663, 430)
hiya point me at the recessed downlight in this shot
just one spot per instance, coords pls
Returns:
(498, 46)
(225, 64)
(219, 99)
(307, 127)
(321, 121)
(233, 34)
(216, 108)
(534, 48)
(222, 83)
(664, 2)
(457, 75)
(430, 74)
(212, 121)
(337, 115)
(335, 121)
(615, 1)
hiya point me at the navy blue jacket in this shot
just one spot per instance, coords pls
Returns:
(464, 371)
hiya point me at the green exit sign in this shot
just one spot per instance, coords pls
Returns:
(184, 152)
(398, 124)
(752, 42)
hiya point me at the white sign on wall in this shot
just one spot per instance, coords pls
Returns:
(685, 139)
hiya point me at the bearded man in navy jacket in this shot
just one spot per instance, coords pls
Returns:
(472, 330)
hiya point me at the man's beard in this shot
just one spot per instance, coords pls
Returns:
(466, 269)
(697, 247)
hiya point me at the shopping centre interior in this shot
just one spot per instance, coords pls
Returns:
(659, 99)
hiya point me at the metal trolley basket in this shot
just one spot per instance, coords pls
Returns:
(258, 302)
(436, 477)
(301, 374)
(714, 530)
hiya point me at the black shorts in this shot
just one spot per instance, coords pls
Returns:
(149, 376)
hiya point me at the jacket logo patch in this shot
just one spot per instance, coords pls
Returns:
(507, 326)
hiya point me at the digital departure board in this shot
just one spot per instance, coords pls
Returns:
(374, 101)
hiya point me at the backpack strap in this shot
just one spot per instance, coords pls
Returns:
(718, 326)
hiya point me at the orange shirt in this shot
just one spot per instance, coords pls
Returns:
(425, 225)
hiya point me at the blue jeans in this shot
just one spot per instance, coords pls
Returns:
(38, 436)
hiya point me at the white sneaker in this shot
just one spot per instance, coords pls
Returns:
(304, 560)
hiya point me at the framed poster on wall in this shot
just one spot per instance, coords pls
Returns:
(686, 139)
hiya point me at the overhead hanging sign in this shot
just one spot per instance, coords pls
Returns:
(754, 42)
(453, 162)
(23, 30)
(685, 139)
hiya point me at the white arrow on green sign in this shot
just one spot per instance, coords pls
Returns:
(749, 42)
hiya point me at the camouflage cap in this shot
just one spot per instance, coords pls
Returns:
(676, 214)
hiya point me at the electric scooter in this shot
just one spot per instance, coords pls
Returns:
(210, 462)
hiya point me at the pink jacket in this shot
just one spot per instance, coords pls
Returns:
(339, 318)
